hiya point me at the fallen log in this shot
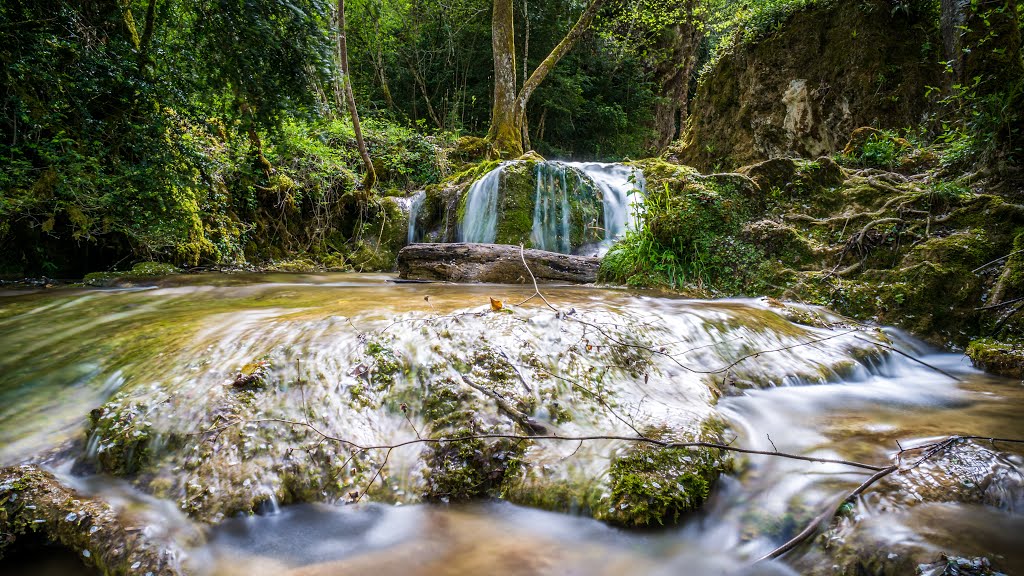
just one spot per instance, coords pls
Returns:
(492, 263)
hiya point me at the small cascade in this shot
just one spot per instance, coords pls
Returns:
(616, 183)
(414, 212)
(480, 221)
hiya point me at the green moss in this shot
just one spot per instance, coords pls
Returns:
(1004, 356)
(577, 495)
(653, 485)
(516, 202)
(153, 269)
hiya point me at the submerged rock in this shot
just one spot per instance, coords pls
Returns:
(494, 263)
(34, 502)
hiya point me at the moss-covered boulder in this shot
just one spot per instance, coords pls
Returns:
(655, 486)
(1004, 357)
(140, 272)
(33, 503)
(377, 241)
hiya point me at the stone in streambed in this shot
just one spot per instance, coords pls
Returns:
(33, 501)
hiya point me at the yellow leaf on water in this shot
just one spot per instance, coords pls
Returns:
(496, 305)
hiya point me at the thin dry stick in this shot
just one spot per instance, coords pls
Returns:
(536, 289)
(559, 437)
(812, 527)
(905, 355)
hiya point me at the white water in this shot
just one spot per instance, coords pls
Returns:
(863, 404)
(480, 223)
(415, 206)
(618, 184)
(551, 227)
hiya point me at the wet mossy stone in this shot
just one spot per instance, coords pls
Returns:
(1005, 357)
(652, 485)
(34, 502)
(141, 271)
(460, 468)
(516, 202)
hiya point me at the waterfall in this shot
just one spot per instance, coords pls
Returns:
(567, 199)
(558, 182)
(414, 211)
(480, 221)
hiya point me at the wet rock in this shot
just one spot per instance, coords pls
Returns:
(33, 501)
(970, 472)
(493, 263)
(897, 528)
(1005, 357)
(142, 271)
(954, 566)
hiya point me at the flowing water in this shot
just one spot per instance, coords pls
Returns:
(480, 222)
(163, 356)
(564, 192)
(415, 205)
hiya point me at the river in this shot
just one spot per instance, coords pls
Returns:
(163, 357)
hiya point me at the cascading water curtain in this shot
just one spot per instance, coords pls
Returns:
(480, 221)
(551, 223)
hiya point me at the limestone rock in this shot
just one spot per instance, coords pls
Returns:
(802, 90)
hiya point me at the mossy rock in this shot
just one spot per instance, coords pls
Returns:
(652, 485)
(34, 502)
(800, 88)
(516, 203)
(381, 236)
(470, 148)
(780, 241)
(295, 265)
(466, 469)
(141, 271)
(1004, 357)
(153, 269)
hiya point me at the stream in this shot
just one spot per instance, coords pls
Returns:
(797, 379)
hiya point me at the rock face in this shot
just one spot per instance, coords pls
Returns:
(494, 263)
(800, 91)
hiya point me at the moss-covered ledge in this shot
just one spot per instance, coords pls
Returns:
(34, 502)
(1005, 357)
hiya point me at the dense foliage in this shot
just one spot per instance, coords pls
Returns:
(213, 132)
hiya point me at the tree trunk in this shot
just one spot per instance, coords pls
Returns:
(147, 36)
(505, 134)
(508, 117)
(370, 178)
